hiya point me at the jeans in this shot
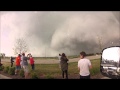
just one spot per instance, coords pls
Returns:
(33, 66)
(65, 72)
(11, 64)
(85, 77)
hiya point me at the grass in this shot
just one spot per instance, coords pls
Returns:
(56, 58)
(51, 70)
(95, 66)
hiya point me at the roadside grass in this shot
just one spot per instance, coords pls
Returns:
(55, 58)
(49, 71)
(95, 67)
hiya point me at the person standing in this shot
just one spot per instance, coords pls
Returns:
(11, 60)
(84, 66)
(17, 63)
(59, 58)
(64, 65)
(32, 62)
(25, 65)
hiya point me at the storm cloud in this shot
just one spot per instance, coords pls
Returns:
(49, 33)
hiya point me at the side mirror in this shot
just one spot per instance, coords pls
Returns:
(110, 62)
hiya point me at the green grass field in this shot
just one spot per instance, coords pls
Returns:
(72, 68)
(52, 70)
(49, 58)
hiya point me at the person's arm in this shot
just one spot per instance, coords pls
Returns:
(90, 65)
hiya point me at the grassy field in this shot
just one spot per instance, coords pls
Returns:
(49, 58)
(53, 70)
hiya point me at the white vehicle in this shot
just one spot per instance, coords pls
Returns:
(111, 68)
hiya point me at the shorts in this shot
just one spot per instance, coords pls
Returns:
(18, 67)
(26, 70)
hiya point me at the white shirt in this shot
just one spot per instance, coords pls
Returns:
(84, 64)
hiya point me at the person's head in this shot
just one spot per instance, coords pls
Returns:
(82, 54)
(19, 55)
(23, 54)
(30, 55)
(59, 54)
(63, 55)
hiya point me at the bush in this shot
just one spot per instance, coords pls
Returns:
(1, 68)
(21, 73)
(6, 69)
(11, 71)
(33, 75)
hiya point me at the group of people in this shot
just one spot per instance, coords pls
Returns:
(84, 65)
(21, 62)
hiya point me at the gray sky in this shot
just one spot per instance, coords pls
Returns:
(50, 33)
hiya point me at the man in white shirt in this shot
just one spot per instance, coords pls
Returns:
(84, 65)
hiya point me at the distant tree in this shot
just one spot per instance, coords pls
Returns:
(20, 46)
(2, 55)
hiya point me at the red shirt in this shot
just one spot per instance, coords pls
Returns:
(18, 61)
(31, 60)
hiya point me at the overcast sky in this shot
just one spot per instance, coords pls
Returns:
(49, 33)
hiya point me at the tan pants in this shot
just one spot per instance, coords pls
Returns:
(26, 69)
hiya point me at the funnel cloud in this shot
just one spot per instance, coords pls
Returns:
(49, 33)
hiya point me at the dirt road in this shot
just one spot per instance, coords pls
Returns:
(55, 61)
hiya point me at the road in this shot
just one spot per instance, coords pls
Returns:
(54, 61)
(105, 78)
(4, 77)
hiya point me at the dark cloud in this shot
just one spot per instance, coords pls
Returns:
(69, 32)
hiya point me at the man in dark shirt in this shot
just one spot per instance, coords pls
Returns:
(11, 60)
